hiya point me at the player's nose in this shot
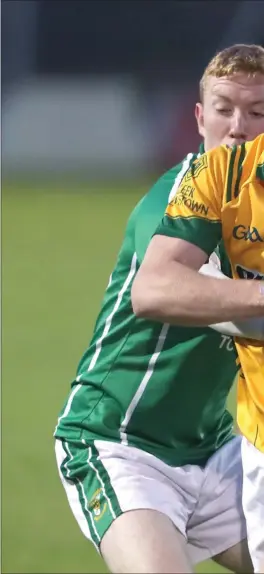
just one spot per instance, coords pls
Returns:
(238, 131)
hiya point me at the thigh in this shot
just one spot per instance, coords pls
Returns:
(105, 480)
(218, 522)
(253, 501)
(143, 541)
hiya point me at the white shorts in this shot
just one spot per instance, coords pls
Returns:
(253, 501)
(104, 479)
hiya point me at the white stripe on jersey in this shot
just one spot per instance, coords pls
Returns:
(144, 382)
(178, 178)
(68, 406)
(110, 317)
(152, 362)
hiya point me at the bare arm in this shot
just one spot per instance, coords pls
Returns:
(168, 288)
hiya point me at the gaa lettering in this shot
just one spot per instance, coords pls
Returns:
(247, 233)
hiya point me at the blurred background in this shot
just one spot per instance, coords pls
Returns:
(97, 101)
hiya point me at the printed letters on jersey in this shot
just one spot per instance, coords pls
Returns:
(247, 233)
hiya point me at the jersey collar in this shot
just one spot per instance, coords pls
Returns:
(201, 148)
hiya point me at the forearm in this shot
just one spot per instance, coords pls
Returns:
(177, 294)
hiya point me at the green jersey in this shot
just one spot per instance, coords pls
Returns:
(154, 386)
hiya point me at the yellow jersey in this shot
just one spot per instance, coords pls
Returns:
(222, 197)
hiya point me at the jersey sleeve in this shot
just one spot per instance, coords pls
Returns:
(151, 209)
(194, 213)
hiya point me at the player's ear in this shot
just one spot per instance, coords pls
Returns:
(199, 118)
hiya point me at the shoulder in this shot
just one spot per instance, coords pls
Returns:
(166, 186)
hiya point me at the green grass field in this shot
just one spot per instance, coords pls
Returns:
(58, 247)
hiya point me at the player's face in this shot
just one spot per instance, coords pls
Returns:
(232, 111)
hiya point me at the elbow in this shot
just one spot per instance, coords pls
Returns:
(142, 300)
